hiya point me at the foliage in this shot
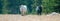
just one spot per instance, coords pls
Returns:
(12, 6)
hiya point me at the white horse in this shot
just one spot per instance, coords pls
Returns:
(23, 9)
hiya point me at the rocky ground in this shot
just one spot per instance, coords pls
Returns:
(29, 18)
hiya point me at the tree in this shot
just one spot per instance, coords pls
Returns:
(48, 5)
(4, 8)
(0, 7)
(57, 6)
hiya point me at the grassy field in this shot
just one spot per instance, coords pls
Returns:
(29, 18)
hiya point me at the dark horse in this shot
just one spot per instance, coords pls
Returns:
(39, 10)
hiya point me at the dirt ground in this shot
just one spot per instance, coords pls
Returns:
(29, 18)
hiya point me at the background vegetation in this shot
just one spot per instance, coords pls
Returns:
(12, 6)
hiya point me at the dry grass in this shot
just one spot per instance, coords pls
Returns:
(29, 18)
